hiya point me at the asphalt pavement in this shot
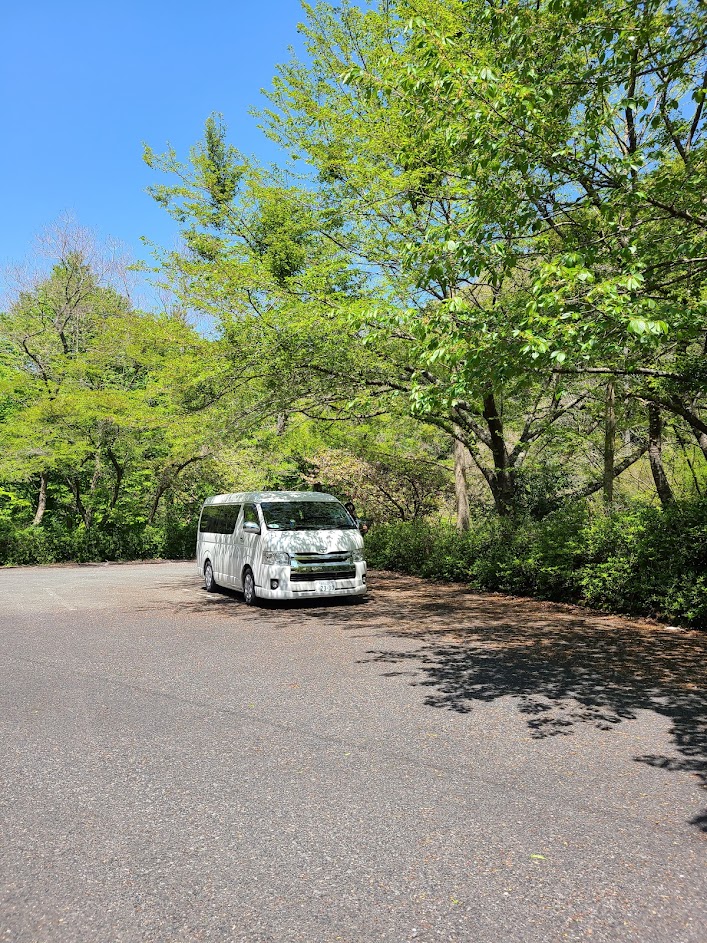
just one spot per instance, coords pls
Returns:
(427, 765)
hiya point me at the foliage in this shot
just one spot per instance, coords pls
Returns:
(99, 428)
(637, 559)
(526, 181)
(390, 467)
(568, 137)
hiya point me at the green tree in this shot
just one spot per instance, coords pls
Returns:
(386, 160)
(97, 397)
(569, 136)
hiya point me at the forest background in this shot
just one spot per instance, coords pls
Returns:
(471, 299)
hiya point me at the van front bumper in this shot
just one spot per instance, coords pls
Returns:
(309, 589)
(267, 593)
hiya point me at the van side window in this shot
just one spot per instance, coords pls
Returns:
(208, 519)
(250, 514)
(228, 517)
(219, 518)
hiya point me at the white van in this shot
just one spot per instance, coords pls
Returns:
(280, 545)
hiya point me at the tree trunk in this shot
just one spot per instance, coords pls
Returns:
(42, 500)
(161, 488)
(609, 443)
(461, 465)
(119, 472)
(655, 455)
(503, 489)
(678, 408)
(503, 480)
(80, 507)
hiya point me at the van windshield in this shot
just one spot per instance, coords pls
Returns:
(306, 515)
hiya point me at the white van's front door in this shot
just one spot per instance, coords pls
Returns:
(249, 543)
(232, 553)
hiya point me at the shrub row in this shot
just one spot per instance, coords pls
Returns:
(53, 543)
(637, 559)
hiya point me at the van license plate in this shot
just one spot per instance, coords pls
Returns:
(326, 586)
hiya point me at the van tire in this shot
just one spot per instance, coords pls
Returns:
(249, 594)
(210, 584)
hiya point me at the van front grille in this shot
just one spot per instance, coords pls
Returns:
(308, 558)
(307, 567)
(298, 576)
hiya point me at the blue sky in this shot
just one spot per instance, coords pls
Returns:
(82, 85)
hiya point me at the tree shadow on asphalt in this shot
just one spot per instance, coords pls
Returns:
(564, 666)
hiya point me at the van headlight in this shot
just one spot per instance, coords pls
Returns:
(358, 557)
(273, 557)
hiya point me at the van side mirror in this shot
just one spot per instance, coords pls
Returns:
(250, 527)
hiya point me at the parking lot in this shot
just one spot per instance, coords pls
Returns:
(427, 765)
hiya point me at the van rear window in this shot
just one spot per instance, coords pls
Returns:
(219, 518)
(306, 515)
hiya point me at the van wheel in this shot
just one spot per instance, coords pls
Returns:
(210, 584)
(249, 587)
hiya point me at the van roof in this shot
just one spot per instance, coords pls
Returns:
(256, 497)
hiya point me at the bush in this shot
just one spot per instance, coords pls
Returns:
(637, 559)
(54, 543)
